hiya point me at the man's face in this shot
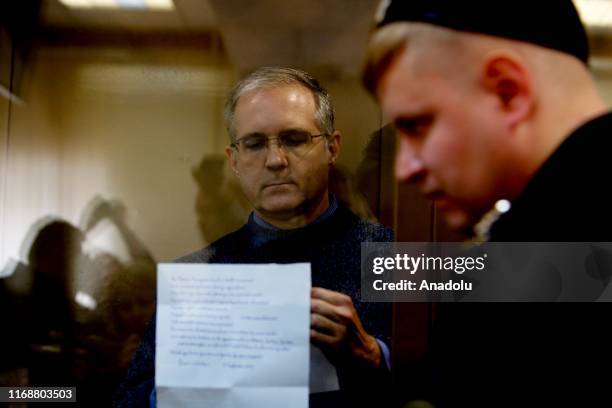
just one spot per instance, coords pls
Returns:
(451, 138)
(278, 182)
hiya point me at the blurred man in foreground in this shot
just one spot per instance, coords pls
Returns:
(495, 109)
(496, 106)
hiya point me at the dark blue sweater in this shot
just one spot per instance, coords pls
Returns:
(332, 245)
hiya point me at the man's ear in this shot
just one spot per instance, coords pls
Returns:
(334, 142)
(230, 152)
(507, 78)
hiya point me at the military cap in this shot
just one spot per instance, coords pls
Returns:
(552, 24)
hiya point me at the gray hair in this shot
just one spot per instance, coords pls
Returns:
(270, 77)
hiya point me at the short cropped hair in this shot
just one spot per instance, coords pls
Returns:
(424, 39)
(271, 77)
(384, 46)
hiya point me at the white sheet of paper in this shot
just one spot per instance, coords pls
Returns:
(231, 335)
(323, 374)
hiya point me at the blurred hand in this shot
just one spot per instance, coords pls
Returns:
(336, 329)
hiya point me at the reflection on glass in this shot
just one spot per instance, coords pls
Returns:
(99, 102)
(77, 311)
(220, 206)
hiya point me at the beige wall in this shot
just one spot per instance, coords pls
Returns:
(357, 117)
(124, 124)
(31, 169)
(602, 71)
(4, 113)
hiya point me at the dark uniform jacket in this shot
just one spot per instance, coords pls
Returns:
(537, 354)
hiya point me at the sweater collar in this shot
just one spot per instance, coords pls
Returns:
(331, 209)
(263, 232)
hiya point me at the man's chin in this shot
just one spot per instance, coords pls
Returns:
(458, 220)
(281, 206)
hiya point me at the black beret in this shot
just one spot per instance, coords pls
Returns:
(552, 24)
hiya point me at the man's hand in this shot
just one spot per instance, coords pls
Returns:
(336, 329)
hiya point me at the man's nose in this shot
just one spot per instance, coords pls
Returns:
(408, 166)
(275, 155)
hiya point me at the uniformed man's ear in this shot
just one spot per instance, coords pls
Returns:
(334, 142)
(507, 78)
(230, 152)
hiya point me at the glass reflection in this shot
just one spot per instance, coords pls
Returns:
(77, 311)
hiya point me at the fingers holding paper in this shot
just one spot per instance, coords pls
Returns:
(336, 329)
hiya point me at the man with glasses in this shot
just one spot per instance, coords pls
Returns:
(283, 144)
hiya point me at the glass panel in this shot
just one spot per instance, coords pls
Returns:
(112, 159)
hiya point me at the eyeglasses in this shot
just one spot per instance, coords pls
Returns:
(292, 141)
